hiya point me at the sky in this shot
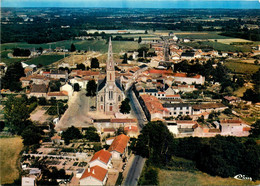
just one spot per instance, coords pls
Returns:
(233, 4)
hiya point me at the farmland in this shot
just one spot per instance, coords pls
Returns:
(239, 67)
(9, 150)
(45, 59)
(218, 46)
(96, 45)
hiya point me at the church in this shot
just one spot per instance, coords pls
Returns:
(110, 92)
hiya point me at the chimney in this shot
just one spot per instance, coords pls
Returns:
(130, 127)
(88, 169)
(93, 171)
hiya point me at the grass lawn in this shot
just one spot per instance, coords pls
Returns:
(9, 151)
(238, 67)
(167, 177)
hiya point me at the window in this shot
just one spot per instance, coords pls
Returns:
(180, 108)
(180, 112)
(187, 108)
(101, 107)
(101, 99)
(187, 112)
(110, 77)
(110, 107)
(110, 94)
(119, 98)
(174, 113)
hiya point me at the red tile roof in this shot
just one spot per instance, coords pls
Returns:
(156, 71)
(102, 155)
(131, 128)
(186, 122)
(119, 144)
(185, 75)
(153, 104)
(231, 121)
(61, 93)
(96, 172)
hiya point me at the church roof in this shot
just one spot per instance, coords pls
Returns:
(102, 83)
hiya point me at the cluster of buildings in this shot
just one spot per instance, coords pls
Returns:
(102, 161)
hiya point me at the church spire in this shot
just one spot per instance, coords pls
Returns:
(110, 60)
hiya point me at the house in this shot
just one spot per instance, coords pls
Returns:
(186, 123)
(152, 107)
(209, 107)
(131, 130)
(56, 139)
(187, 55)
(118, 148)
(234, 127)
(232, 99)
(173, 128)
(176, 109)
(109, 141)
(59, 74)
(94, 176)
(28, 181)
(38, 91)
(185, 78)
(62, 95)
(101, 158)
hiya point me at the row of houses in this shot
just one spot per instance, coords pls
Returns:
(102, 161)
(158, 110)
(186, 128)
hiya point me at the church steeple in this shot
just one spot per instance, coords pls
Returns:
(110, 70)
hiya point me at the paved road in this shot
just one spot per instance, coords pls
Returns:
(138, 162)
(135, 171)
(135, 105)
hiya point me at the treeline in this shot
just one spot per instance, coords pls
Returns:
(224, 156)
(21, 52)
(253, 35)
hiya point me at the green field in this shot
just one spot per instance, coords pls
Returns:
(184, 172)
(238, 67)
(167, 177)
(45, 59)
(9, 151)
(219, 46)
(96, 45)
(200, 35)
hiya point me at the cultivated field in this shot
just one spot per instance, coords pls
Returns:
(235, 40)
(167, 177)
(95, 45)
(45, 59)
(244, 68)
(9, 151)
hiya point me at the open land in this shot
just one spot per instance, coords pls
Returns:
(9, 150)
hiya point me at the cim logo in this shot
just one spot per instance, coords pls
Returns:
(242, 177)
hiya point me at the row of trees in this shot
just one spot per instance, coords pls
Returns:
(222, 156)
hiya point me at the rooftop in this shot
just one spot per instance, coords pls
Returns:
(119, 144)
(102, 155)
(96, 172)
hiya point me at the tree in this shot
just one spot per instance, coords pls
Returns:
(255, 130)
(227, 111)
(92, 135)
(55, 85)
(16, 114)
(42, 101)
(125, 106)
(155, 142)
(70, 134)
(11, 79)
(76, 87)
(142, 51)
(125, 59)
(91, 88)
(139, 39)
(72, 48)
(94, 63)
(2, 126)
(81, 66)
(31, 135)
